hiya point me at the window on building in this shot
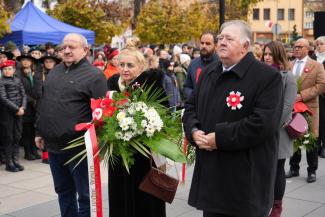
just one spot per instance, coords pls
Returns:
(291, 14)
(256, 14)
(267, 13)
(309, 14)
(280, 14)
(309, 25)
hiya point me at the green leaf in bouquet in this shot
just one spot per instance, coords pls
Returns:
(140, 148)
(75, 143)
(299, 85)
(166, 148)
(82, 155)
(125, 162)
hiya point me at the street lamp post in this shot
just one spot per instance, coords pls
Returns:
(221, 12)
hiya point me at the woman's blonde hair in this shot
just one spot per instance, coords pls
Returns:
(257, 51)
(133, 42)
(132, 50)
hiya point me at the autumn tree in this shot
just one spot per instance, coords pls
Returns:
(4, 18)
(199, 19)
(239, 9)
(12, 6)
(89, 15)
(164, 21)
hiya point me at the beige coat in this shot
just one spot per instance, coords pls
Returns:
(312, 85)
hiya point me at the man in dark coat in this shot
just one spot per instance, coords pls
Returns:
(232, 119)
(208, 43)
(65, 102)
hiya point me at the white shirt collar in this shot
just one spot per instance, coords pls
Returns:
(224, 69)
(304, 60)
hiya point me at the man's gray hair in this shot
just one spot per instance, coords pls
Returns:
(246, 32)
(82, 38)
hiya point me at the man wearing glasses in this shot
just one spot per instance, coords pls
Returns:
(232, 119)
(312, 77)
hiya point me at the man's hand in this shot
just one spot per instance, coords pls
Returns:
(199, 137)
(203, 141)
(39, 142)
(211, 141)
(21, 111)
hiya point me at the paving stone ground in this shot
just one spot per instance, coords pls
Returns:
(30, 194)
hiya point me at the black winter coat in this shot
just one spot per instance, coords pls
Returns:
(30, 112)
(237, 179)
(12, 94)
(126, 200)
(66, 102)
(12, 97)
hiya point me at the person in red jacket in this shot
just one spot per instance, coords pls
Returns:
(111, 68)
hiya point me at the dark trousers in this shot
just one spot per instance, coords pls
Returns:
(210, 214)
(68, 181)
(10, 134)
(321, 139)
(280, 180)
(28, 138)
(312, 160)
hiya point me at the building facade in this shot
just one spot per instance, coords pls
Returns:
(275, 19)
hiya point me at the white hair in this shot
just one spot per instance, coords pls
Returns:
(82, 38)
(245, 30)
(321, 39)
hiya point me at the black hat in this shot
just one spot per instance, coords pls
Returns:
(50, 56)
(164, 64)
(49, 45)
(34, 48)
(26, 56)
(10, 46)
(9, 55)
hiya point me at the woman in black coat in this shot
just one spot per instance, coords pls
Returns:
(125, 199)
(27, 76)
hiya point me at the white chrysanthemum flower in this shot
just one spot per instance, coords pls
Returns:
(144, 123)
(150, 131)
(127, 136)
(131, 111)
(126, 123)
(306, 135)
(305, 142)
(120, 116)
(139, 131)
(119, 135)
(134, 126)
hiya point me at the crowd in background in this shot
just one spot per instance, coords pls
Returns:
(181, 65)
(23, 73)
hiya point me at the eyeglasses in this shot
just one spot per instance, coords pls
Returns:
(298, 47)
(128, 65)
(228, 38)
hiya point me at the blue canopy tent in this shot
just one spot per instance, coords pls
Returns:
(32, 26)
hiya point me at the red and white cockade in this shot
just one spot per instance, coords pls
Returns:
(234, 100)
(306, 70)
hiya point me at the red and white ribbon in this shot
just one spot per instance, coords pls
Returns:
(183, 171)
(95, 188)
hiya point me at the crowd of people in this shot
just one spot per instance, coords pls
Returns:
(237, 96)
